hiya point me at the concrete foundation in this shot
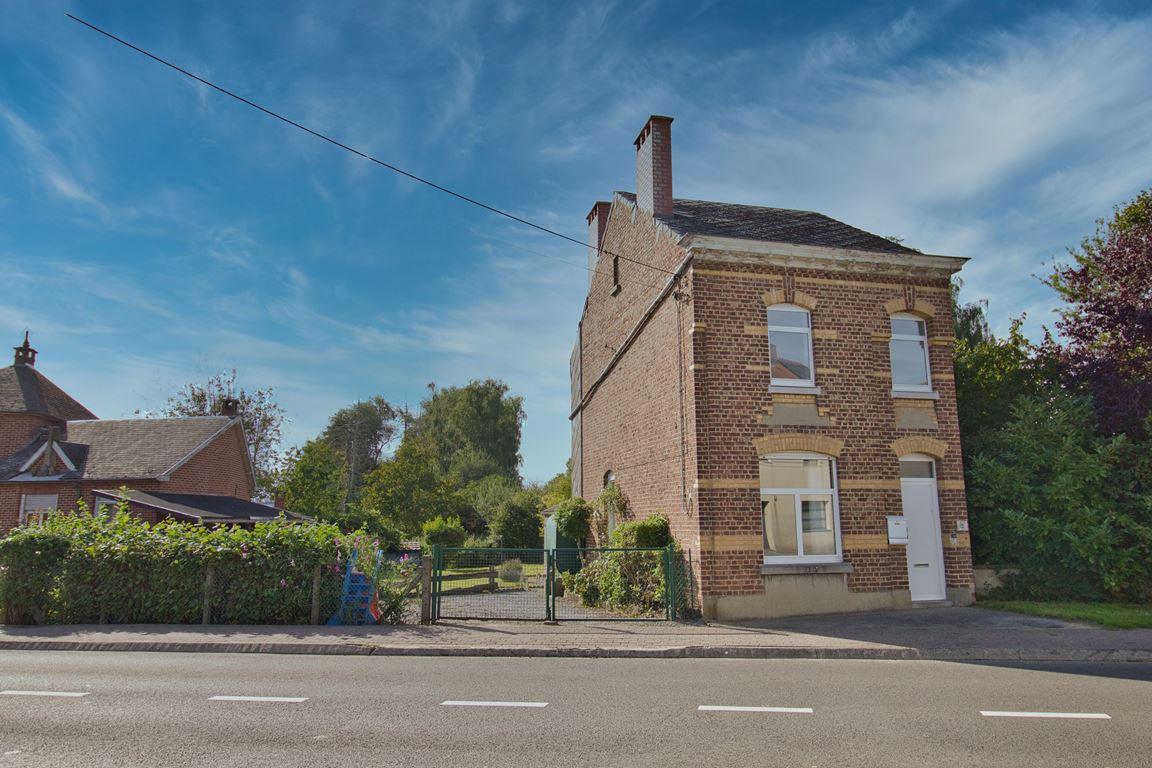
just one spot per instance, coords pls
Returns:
(799, 594)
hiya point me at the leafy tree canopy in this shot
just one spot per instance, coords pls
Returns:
(409, 488)
(360, 432)
(472, 431)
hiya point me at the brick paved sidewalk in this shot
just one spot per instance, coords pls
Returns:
(936, 633)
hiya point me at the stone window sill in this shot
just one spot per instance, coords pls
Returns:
(793, 569)
(899, 394)
(778, 389)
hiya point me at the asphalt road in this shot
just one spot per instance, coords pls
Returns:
(143, 709)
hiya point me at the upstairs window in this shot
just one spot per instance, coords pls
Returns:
(35, 507)
(790, 346)
(909, 352)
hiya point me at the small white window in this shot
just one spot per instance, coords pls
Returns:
(790, 346)
(801, 514)
(909, 352)
(35, 507)
(107, 507)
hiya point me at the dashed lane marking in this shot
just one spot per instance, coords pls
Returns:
(285, 699)
(781, 710)
(530, 704)
(60, 694)
(1055, 715)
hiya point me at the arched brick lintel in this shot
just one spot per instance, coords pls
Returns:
(926, 445)
(829, 446)
(799, 299)
(917, 307)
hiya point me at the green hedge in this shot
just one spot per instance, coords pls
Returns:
(82, 568)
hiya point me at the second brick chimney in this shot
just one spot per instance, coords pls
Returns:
(597, 221)
(654, 165)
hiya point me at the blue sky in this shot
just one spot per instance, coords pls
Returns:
(153, 232)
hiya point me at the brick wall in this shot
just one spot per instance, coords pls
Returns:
(850, 322)
(18, 429)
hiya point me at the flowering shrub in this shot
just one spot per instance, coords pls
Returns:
(85, 568)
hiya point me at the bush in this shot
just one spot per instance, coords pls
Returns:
(649, 533)
(517, 522)
(510, 570)
(631, 582)
(447, 532)
(84, 568)
(573, 519)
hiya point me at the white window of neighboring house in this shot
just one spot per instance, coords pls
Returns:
(801, 513)
(35, 507)
(909, 352)
(790, 346)
(106, 507)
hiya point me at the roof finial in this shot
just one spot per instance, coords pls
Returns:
(25, 355)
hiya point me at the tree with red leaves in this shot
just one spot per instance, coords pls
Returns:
(1107, 326)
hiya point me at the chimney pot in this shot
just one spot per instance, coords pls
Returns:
(654, 165)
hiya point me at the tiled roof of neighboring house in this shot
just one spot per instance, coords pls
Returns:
(142, 448)
(208, 509)
(776, 225)
(23, 389)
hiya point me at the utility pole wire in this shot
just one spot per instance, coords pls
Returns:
(353, 150)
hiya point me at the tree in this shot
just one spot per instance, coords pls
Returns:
(486, 495)
(360, 432)
(473, 431)
(313, 484)
(260, 414)
(408, 489)
(1065, 504)
(518, 523)
(559, 488)
(1107, 325)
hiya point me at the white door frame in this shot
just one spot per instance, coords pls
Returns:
(935, 530)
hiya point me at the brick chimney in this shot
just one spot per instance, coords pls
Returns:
(654, 165)
(230, 407)
(597, 221)
(25, 355)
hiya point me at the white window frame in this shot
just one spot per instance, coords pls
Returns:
(806, 330)
(40, 512)
(896, 387)
(796, 493)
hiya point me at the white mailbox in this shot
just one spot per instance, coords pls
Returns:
(897, 529)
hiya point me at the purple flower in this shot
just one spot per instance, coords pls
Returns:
(283, 583)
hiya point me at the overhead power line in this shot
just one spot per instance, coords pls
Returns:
(353, 150)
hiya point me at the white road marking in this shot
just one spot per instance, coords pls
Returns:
(288, 699)
(784, 710)
(1064, 715)
(62, 694)
(536, 704)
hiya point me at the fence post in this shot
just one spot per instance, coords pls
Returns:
(206, 614)
(549, 588)
(438, 586)
(670, 582)
(315, 618)
(425, 590)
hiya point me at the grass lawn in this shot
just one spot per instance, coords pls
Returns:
(1110, 615)
(529, 569)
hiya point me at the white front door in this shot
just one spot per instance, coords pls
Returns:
(922, 514)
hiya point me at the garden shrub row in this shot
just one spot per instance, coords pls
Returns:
(83, 568)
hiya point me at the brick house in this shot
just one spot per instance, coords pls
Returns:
(780, 385)
(55, 452)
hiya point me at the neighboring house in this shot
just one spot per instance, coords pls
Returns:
(779, 384)
(55, 452)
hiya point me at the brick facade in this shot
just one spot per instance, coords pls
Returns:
(673, 395)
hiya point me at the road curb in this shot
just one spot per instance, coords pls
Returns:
(674, 652)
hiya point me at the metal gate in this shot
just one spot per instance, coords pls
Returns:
(529, 584)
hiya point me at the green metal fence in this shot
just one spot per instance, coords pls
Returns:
(570, 584)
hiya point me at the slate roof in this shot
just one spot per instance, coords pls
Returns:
(135, 449)
(23, 389)
(776, 225)
(207, 509)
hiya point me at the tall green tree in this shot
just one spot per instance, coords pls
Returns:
(313, 483)
(261, 415)
(360, 432)
(473, 431)
(409, 489)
